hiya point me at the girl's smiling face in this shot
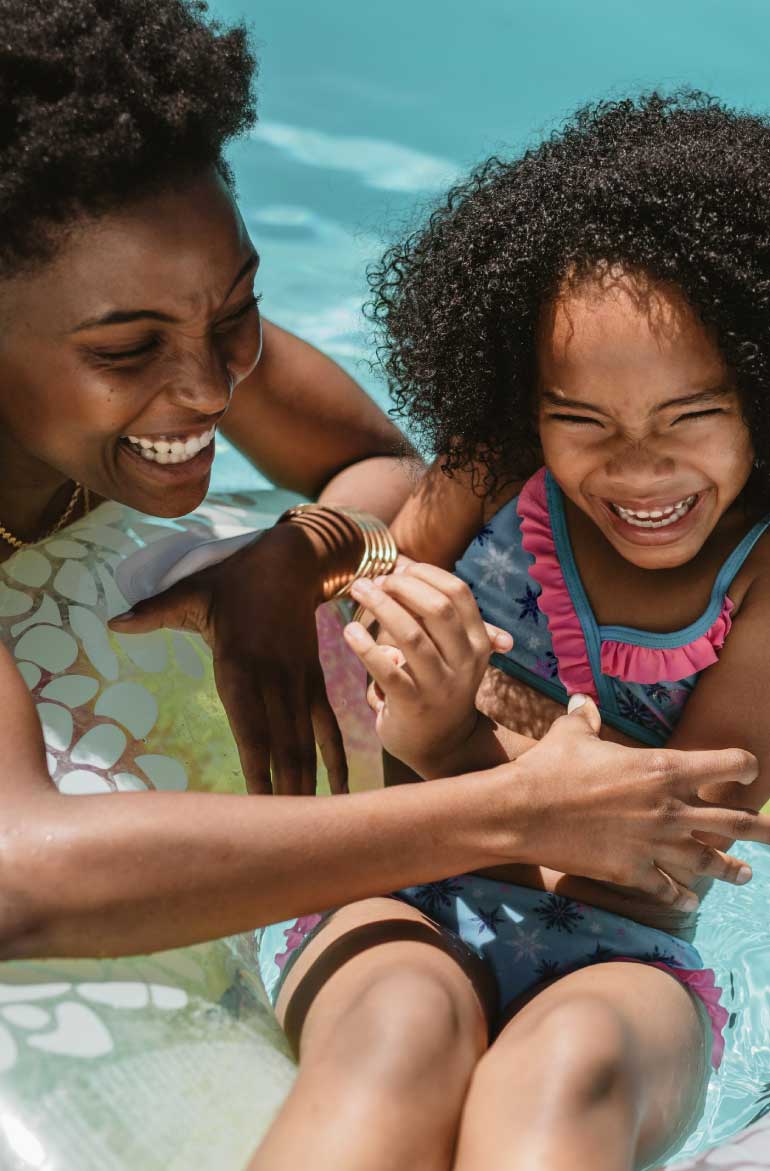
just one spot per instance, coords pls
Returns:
(118, 358)
(639, 421)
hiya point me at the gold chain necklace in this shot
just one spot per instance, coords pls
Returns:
(79, 490)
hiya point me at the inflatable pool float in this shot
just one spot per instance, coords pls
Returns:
(171, 1061)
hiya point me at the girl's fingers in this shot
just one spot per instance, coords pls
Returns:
(463, 601)
(436, 614)
(499, 640)
(407, 633)
(383, 663)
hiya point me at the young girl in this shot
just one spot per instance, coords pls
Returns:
(585, 333)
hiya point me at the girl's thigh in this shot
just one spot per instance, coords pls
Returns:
(386, 944)
(629, 1022)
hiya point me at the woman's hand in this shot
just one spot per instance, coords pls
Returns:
(628, 815)
(425, 677)
(256, 610)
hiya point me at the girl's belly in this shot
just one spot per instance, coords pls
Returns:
(521, 708)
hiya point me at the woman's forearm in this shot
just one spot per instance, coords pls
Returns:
(129, 873)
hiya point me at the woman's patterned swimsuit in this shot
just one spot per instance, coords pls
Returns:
(523, 575)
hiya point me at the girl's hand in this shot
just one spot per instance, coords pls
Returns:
(256, 610)
(425, 683)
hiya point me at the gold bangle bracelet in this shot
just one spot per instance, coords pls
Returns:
(379, 549)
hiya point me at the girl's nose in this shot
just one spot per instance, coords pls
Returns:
(639, 463)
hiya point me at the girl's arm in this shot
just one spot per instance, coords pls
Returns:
(442, 516)
(730, 703)
(310, 428)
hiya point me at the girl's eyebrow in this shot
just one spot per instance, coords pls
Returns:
(124, 316)
(699, 396)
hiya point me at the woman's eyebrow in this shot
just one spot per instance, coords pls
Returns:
(124, 316)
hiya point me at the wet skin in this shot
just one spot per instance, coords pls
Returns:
(143, 324)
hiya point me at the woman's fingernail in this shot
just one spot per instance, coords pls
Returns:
(354, 632)
(575, 701)
(503, 640)
(743, 876)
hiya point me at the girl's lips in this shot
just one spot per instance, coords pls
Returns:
(667, 534)
(169, 474)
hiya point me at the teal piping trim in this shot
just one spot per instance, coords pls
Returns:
(577, 594)
(557, 692)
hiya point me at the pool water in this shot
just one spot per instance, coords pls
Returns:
(367, 115)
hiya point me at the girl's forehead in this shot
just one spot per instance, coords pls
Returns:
(622, 333)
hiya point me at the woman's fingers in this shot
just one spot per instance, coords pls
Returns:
(329, 740)
(708, 862)
(292, 743)
(665, 889)
(242, 700)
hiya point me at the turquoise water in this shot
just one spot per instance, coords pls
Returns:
(367, 114)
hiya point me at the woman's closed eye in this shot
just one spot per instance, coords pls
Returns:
(241, 312)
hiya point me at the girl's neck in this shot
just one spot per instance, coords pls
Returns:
(661, 600)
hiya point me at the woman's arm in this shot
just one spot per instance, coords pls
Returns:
(136, 872)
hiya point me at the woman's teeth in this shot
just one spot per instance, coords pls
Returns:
(655, 518)
(170, 451)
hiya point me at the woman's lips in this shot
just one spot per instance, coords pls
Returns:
(168, 471)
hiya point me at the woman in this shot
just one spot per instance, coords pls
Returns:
(129, 323)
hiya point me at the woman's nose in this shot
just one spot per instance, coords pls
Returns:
(203, 382)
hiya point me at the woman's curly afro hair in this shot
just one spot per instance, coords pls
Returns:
(103, 101)
(676, 189)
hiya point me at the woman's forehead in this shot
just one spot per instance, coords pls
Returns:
(177, 251)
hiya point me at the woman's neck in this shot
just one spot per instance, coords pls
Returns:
(33, 497)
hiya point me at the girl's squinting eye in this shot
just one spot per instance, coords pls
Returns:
(582, 419)
(698, 415)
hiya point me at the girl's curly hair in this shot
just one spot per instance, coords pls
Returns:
(103, 101)
(675, 188)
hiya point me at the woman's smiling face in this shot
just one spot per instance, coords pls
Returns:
(638, 418)
(141, 326)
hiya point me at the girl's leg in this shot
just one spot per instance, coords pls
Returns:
(600, 1071)
(390, 1029)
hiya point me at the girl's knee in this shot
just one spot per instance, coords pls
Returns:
(580, 1051)
(408, 1022)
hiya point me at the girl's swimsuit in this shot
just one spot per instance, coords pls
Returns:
(522, 572)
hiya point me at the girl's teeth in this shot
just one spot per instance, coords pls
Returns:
(656, 518)
(170, 451)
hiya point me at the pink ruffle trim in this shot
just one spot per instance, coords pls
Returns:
(621, 660)
(642, 664)
(702, 983)
(569, 645)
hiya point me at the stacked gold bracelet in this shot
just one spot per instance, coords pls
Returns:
(335, 527)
